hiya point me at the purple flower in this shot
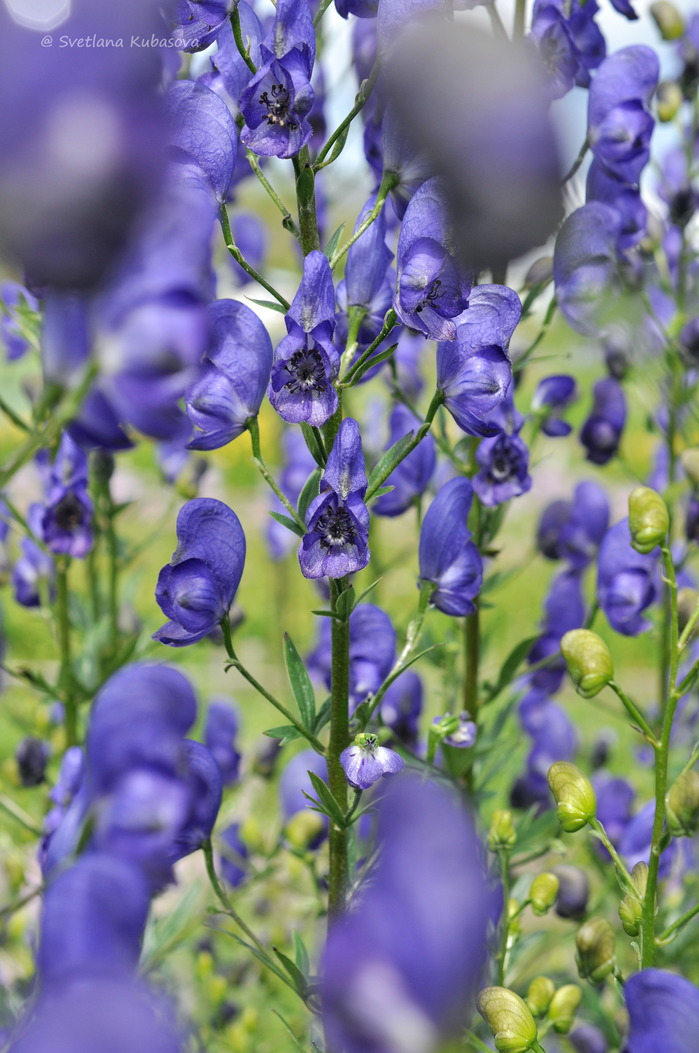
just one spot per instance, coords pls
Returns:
(366, 270)
(337, 541)
(448, 558)
(504, 469)
(411, 477)
(365, 762)
(626, 581)
(431, 289)
(197, 588)
(473, 371)
(570, 43)
(197, 24)
(635, 841)
(585, 269)
(66, 525)
(34, 573)
(234, 853)
(32, 756)
(294, 781)
(202, 129)
(615, 799)
(554, 394)
(372, 651)
(233, 378)
(16, 303)
(564, 609)
(619, 119)
(205, 789)
(626, 201)
(306, 362)
(573, 530)
(221, 728)
(586, 1038)
(663, 1012)
(601, 433)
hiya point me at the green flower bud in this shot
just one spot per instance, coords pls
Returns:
(541, 991)
(304, 828)
(669, 100)
(668, 19)
(639, 876)
(682, 805)
(649, 520)
(596, 945)
(502, 833)
(690, 462)
(509, 1018)
(573, 794)
(564, 1006)
(631, 913)
(543, 892)
(589, 662)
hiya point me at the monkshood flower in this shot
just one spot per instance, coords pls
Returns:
(618, 118)
(71, 777)
(197, 588)
(504, 468)
(230, 65)
(306, 362)
(399, 968)
(220, 730)
(676, 188)
(337, 521)
(197, 24)
(294, 781)
(564, 610)
(66, 526)
(401, 707)
(553, 395)
(663, 1012)
(569, 41)
(601, 433)
(449, 560)
(202, 129)
(205, 789)
(625, 199)
(234, 853)
(365, 762)
(34, 573)
(615, 798)
(473, 371)
(15, 301)
(586, 1038)
(233, 376)
(431, 288)
(626, 581)
(278, 97)
(411, 478)
(372, 652)
(635, 841)
(366, 273)
(585, 269)
(397, 153)
(573, 530)
(250, 235)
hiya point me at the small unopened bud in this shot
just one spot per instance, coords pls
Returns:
(540, 271)
(509, 1018)
(639, 876)
(669, 100)
(589, 661)
(304, 828)
(543, 892)
(564, 1006)
(668, 19)
(682, 805)
(541, 991)
(631, 914)
(574, 796)
(502, 833)
(649, 520)
(596, 946)
(573, 893)
(687, 600)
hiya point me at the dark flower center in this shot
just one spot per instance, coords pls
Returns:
(278, 105)
(69, 513)
(500, 468)
(306, 372)
(431, 296)
(336, 528)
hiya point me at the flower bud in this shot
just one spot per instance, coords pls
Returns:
(574, 796)
(631, 913)
(596, 944)
(573, 892)
(669, 100)
(304, 828)
(508, 1017)
(639, 876)
(668, 19)
(540, 271)
(543, 892)
(682, 804)
(564, 1006)
(541, 991)
(690, 463)
(502, 833)
(588, 659)
(649, 520)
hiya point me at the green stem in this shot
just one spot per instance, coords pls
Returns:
(239, 258)
(520, 19)
(496, 22)
(388, 324)
(260, 464)
(65, 676)
(287, 219)
(365, 90)
(576, 163)
(306, 203)
(8, 806)
(12, 908)
(235, 663)
(621, 868)
(665, 937)
(471, 660)
(504, 860)
(238, 37)
(390, 179)
(437, 400)
(634, 712)
(321, 11)
(339, 740)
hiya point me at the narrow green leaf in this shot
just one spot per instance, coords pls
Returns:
(327, 614)
(346, 603)
(375, 360)
(287, 522)
(293, 971)
(326, 799)
(305, 185)
(309, 492)
(391, 459)
(331, 247)
(323, 716)
(370, 588)
(285, 732)
(300, 683)
(290, 1033)
(301, 954)
(511, 665)
(314, 442)
(271, 305)
(383, 490)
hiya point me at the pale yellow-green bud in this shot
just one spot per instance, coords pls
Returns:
(668, 19)
(596, 946)
(687, 600)
(304, 828)
(589, 661)
(690, 463)
(669, 100)
(639, 876)
(502, 832)
(682, 805)
(509, 1018)
(574, 796)
(631, 914)
(543, 892)
(649, 519)
(541, 991)
(564, 1006)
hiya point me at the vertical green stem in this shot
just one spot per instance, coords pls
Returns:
(520, 19)
(472, 645)
(308, 223)
(504, 860)
(339, 740)
(65, 676)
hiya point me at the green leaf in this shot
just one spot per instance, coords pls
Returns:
(327, 614)
(300, 683)
(334, 242)
(271, 305)
(301, 954)
(375, 360)
(511, 665)
(285, 732)
(314, 442)
(323, 716)
(305, 185)
(290, 1033)
(383, 490)
(345, 603)
(287, 522)
(391, 459)
(363, 595)
(293, 971)
(309, 492)
(326, 800)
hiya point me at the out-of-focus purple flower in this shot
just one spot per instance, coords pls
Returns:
(201, 128)
(372, 651)
(233, 377)
(294, 781)
(401, 707)
(398, 969)
(586, 1038)
(250, 236)
(229, 63)
(406, 358)
(411, 477)
(66, 526)
(221, 728)
(402, 157)
(365, 762)
(569, 41)
(306, 362)
(234, 853)
(431, 288)
(619, 119)
(504, 468)
(197, 24)
(573, 891)
(615, 799)
(585, 270)
(626, 581)
(197, 588)
(205, 788)
(448, 557)
(365, 284)
(31, 756)
(34, 573)
(553, 395)
(337, 521)
(663, 1012)
(464, 735)
(564, 610)
(473, 371)
(676, 188)
(601, 433)
(625, 199)
(15, 301)
(573, 530)
(635, 841)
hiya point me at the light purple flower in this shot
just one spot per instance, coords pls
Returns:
(365, 762)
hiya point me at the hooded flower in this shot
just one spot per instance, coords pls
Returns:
(449, 559)
(601, 433)
(365, 762)
(626, 581)
(585, 270)
(411, 477)
(573, 530)
(372, 652)
(67, 518)
(619, 119)
(504, 468)
(663, 1012)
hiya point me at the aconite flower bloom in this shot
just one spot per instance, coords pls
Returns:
(553, 395)
(585, 270)
(663, 1012)
(570, 43)
(371, 653)
(197, 24)
(399, 968)
(449, 560)
(619, 119)
(220, 731)
(306, 362)
(573, 530)
(337, 542)
(66, 525)
(411, 477)
(365, 762)
(196, 590)
(601, 433)
(233, 377)
(504, 469)
(626, 581)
